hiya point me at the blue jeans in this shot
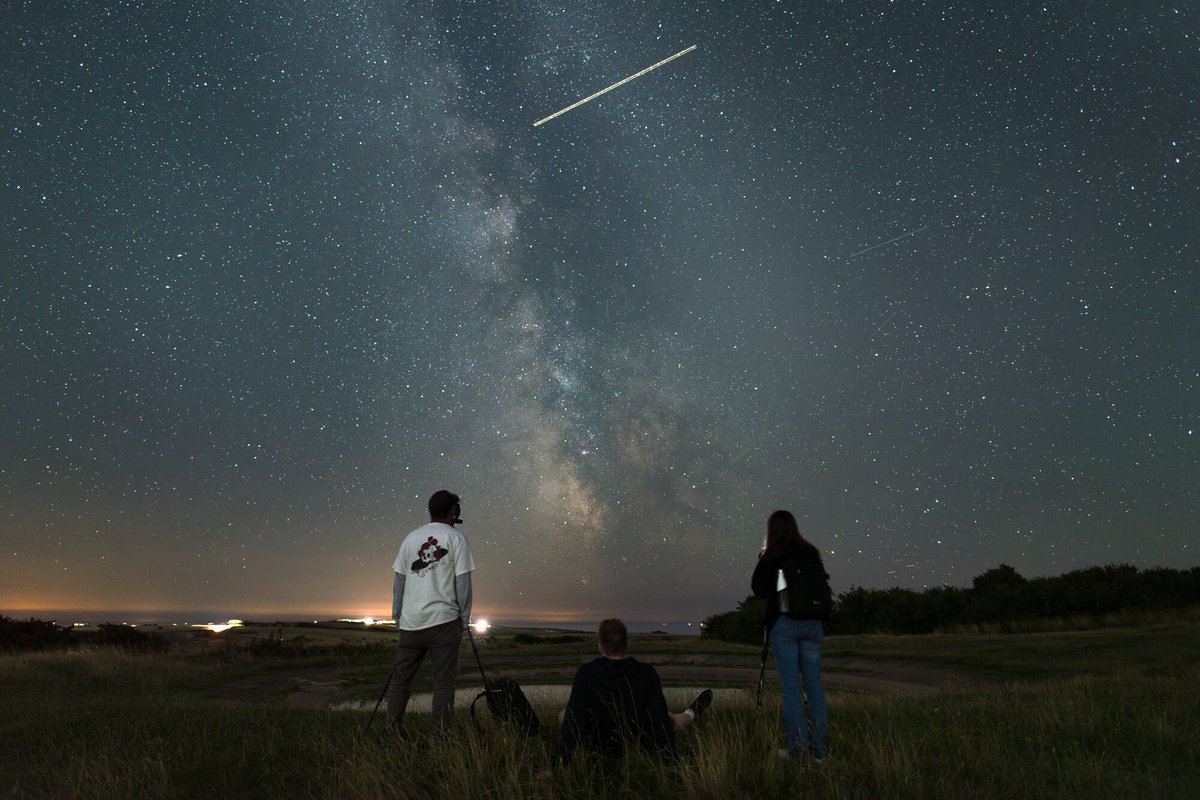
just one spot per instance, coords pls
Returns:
(797, 646)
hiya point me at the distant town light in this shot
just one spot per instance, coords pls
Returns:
(366, 620)
(217, 627)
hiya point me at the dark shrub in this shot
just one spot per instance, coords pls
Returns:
(744, 624)
(25, 635)
(126, 637)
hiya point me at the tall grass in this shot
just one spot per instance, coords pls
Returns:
(1094, 737)
(113, 725)
(1081, 622)
(105, 669)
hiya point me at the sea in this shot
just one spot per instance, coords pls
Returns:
(69, 617)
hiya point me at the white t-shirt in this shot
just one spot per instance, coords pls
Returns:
(430, 558)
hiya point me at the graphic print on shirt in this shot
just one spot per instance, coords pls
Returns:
(428, 555)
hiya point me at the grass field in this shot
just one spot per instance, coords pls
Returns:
(1097, 714)
(1038, 655)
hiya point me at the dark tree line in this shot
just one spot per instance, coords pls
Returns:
(1000, 595)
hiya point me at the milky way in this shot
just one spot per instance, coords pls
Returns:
(923, 273)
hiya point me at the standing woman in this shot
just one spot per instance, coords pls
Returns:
(796, 633)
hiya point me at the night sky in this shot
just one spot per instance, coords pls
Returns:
(273, 272)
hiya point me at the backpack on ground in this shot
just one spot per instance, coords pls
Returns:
(808, 592)
(508, 704)
(505, 699)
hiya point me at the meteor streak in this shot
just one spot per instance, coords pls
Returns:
(622, 82)
(889, 241)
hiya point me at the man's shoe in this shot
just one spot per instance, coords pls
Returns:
(702, 701)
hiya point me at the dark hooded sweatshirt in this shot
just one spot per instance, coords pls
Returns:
(613, 702)
(792, 555)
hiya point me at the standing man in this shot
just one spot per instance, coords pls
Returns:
(431, 603)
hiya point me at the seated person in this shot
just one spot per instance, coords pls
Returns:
(617, 699)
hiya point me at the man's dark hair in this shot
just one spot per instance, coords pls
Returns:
(442, 503)
(614, 638)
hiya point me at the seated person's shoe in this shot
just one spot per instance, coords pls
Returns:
(702, 701)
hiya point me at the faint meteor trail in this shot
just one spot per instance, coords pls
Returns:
(886, 321)
(889, 241)
(573, 47)
(622, 82)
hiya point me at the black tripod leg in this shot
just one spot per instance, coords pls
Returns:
(478, 660)
(762, 668)
(382, 695)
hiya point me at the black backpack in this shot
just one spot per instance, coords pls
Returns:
(504, 699)
(808, 592)
(508, 704)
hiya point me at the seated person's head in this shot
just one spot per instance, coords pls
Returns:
(614, 638)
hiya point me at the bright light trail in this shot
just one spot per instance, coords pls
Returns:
(592, 97)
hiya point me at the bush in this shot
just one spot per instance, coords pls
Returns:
(528, 638)
(18, 636)
(744, 624)
(125, 637)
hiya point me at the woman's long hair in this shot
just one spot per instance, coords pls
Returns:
(782, 529)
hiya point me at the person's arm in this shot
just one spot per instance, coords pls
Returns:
(765, 579)
(464, 565)
(397, 596)
(462, 593)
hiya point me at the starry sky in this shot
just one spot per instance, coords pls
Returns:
(924, 273)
